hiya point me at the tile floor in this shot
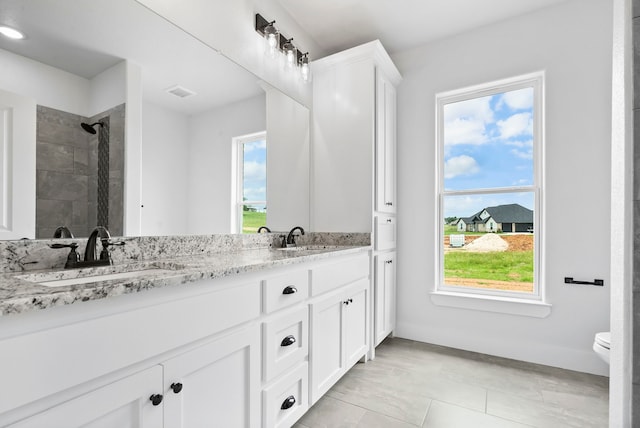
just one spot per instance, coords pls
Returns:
(413, 384)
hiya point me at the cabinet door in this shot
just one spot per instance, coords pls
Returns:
(326, 344)
(384, 296)
(338, 335)
(354, 320)
(215, 385)
(122, 404)
(385, 145)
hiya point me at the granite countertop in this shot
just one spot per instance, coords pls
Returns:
(22, 292)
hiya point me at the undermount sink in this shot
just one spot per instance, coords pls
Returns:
(311, 248)
(53, 279)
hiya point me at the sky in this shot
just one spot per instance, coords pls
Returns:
(255, 171)
(488, 142)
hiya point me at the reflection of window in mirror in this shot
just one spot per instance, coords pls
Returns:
(249, 175)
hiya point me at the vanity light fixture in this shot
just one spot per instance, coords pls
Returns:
(11, 33)
(305, 70)
(277, 43)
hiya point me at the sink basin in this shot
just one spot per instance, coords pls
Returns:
(54, 280)
(311, 248)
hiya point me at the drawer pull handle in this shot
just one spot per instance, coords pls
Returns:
(289, 289)
(388, 262)
(346, 302)
(176, 387)
(388, 220)
(288, 341)
(389, 204)
(156, 399)
(288, 402)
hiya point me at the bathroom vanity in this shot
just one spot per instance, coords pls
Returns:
(245, 337)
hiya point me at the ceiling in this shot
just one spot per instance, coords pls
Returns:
(86, 37)
(399, 24)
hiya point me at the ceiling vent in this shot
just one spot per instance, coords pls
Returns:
(180, 91)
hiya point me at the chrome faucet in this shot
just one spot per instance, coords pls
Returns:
(290, 240)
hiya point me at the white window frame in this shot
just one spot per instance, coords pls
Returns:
(237, 173)
(532, 304)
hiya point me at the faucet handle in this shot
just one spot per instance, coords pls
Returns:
(72, 258)
(72, 245)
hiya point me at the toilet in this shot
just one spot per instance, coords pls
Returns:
(602, 344)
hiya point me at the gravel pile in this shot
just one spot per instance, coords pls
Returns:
(486, 243)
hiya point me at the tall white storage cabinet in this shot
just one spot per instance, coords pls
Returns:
(354, 160)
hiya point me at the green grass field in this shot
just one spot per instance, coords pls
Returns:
(252, 220)
(512, 266)
(451, 230)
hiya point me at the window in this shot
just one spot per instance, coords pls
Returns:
(489, 188)
(249, 205)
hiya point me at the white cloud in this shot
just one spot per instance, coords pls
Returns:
(465, 131)
(460, 165)
(521, 144)
(255, 170)
(515, 125)
(475, 108)
(522, 154)
(520, 99)
(465, 121)
(262, 144)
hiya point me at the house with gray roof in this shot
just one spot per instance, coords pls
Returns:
(501, 218)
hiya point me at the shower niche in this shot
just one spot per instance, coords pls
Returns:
(79, 174)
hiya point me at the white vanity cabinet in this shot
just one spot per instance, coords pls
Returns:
(215, 384)
(354, 147)
(124, 404)
(385, 295)
(251, 350)
(339, 328)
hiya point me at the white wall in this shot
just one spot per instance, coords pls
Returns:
(287, 162)
(209, 183)
(49, 86)
(572, 44)
(165, 171)
(228, 26)
(108, 89)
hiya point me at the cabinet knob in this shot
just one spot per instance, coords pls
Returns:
(388, 220)
(350, 300)
(176, 387)
(288, 402)
(156, 399)
(289, 289)
(287, 341)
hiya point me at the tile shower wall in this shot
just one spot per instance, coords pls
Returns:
(66, 172)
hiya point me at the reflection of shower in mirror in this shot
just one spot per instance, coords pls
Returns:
(80, 171)
(90, 128)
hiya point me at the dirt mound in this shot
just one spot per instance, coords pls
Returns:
(486, 243)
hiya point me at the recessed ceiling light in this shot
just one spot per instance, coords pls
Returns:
(11, 33)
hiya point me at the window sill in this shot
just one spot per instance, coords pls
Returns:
(502, 305)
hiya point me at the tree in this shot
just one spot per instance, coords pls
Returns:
(449, 220)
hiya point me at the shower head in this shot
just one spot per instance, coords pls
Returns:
(90, 128)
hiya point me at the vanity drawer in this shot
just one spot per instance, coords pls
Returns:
(333, 275)
(385, 228)
(287, 400)
(285, 342)
(284, 290)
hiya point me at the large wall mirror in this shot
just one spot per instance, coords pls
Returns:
(114, 116)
